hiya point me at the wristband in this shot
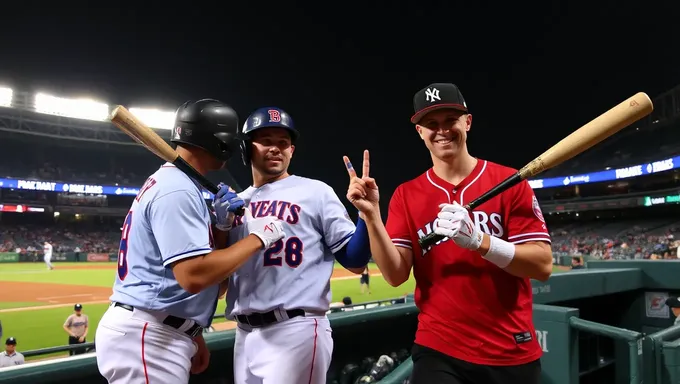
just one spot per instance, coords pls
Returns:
(500, 252)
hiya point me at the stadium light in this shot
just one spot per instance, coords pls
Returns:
(155, 118)
(78, 108)
(6, 96)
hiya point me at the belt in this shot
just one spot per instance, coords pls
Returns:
(173, 321)
(257, 320)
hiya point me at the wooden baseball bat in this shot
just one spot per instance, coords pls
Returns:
(137, 130)
(627, 112)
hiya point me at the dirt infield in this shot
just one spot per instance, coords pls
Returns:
(52, 295)
(88, 266)
(62, 295)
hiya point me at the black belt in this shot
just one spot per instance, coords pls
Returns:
(257, 320)
(173, 321)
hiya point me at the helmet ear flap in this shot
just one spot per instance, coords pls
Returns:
(245, 150)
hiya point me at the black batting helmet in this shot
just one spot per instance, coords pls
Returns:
(266, 117)
(208, 124)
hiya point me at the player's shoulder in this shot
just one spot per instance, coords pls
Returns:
(311, 185)
(414, 184)
(168, 179)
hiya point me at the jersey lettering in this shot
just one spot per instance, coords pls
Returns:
(288, 212)
(292, 253)
(150, 182)
(274, 116)
(123, 247)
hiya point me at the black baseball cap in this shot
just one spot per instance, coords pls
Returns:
(437, 96)
(77, 307)
(11, 341)
(673, 302)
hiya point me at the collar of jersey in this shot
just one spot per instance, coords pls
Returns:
(466, 181)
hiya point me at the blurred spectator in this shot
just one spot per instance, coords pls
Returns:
(10, 357)
(674, 304)
(364, 281)
(76, 326)
(576, 263)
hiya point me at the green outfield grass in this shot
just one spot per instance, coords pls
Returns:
(41, 328)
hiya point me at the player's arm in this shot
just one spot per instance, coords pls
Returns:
(390, 244)
(392, 254)
(183, 237)
(527, 234)
(348, 242)
(67, 326)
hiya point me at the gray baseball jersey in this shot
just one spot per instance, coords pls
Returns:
(168, 221)
(7, 360)
(295, 272)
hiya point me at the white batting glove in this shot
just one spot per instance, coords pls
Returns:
(269, 228)
(454, 222)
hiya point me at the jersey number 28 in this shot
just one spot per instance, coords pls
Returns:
(292, 253)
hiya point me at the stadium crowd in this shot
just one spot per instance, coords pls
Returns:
(601, 240)
(29, 238)
(651, 239)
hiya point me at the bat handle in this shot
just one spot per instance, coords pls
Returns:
(207, 184)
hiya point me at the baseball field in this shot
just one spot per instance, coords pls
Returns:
(35, 302)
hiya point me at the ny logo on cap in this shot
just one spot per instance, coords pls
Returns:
(431, 95)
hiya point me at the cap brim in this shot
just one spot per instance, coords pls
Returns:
(416, 118)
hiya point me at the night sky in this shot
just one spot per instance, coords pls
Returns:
(347, 72)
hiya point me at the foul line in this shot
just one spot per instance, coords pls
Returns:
(38, 307)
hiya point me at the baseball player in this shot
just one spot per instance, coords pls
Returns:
(47, 255)
(473, 287)
(280, 298)
(170, 268)
(10, 357)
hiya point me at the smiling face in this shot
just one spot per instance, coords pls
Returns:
(445, 132)
(272, 151)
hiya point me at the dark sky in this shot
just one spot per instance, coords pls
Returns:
(347, 72)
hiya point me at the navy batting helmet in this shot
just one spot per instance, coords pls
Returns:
(208, 124)
(266, 117)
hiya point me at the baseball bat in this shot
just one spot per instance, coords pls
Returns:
(603, 126)
(137, 130)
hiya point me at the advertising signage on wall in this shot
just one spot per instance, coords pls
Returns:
(51, 186)
(649, 201)
(608, 175)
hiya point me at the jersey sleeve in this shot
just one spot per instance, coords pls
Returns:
(525, 221)
(68, 321)
(336, 224)
(397, 224)
(179, 225)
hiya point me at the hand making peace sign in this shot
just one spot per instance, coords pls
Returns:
(362, 191)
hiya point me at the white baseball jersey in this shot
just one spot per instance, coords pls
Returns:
(7, 360)
(168, 221)
(47, 250)
(295, 272)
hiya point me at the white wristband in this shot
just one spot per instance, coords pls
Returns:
(500, 252)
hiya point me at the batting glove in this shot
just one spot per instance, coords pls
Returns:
(225, 203)
(269, 228)
(454, 222)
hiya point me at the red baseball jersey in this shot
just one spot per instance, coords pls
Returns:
(470, 309)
